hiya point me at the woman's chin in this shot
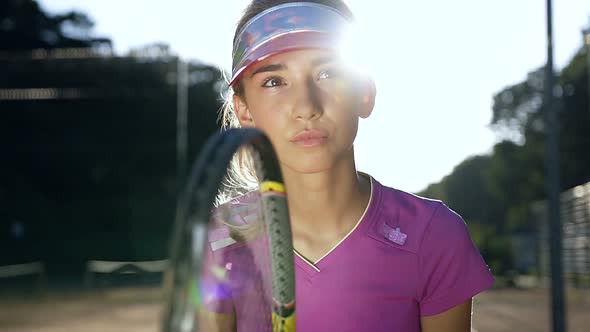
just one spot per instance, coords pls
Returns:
(307, 167)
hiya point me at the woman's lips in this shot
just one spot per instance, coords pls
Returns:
(310, 138)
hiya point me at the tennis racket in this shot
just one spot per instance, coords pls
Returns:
(261, 273)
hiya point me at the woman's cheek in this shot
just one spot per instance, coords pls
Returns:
(340, 90)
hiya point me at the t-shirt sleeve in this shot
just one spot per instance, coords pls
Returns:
(452, 270)
(215, 292)
(220, 278)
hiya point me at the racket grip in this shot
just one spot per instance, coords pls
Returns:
(283, 324)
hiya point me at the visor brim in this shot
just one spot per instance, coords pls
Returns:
(298, 40)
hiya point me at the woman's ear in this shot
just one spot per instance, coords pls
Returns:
(242, 111)
(368, 95)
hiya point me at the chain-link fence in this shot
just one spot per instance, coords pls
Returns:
(575, 219)
(94, 146)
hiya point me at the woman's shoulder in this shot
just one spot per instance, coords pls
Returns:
(403, 219)
(233, 219)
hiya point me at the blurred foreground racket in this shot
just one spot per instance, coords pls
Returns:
(231, 263)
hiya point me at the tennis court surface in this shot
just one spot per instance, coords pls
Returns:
(138, 309)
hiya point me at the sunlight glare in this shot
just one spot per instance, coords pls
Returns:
(355, 50)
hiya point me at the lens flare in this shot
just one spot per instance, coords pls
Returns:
(354, 48)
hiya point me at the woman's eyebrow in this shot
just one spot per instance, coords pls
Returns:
(268, 68)
(322, 60)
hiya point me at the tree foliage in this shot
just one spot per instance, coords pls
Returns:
(494, 192)
(24, 26)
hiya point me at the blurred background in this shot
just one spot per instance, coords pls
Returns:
(104, 105)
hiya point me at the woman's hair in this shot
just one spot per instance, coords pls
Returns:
(241, 176)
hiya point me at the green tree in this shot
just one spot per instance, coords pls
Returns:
(518, 116)
(24, 26)
(494, 193)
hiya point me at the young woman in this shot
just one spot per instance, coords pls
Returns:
(367, 257)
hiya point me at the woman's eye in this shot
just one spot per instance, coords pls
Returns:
(327, 73)
(324, 74)
(272, 82)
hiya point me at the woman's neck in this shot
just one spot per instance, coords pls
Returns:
(328, 202)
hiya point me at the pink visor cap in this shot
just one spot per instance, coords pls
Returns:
(286, 27)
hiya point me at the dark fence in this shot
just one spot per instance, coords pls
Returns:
(93, 146)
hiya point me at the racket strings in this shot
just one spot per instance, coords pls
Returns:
(257, 275)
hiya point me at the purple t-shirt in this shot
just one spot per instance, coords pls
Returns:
(407, 257)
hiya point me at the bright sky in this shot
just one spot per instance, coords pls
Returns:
(437, 65)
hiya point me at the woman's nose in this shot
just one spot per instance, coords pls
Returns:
(308, 103)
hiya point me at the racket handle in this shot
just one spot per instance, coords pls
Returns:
(283, 324)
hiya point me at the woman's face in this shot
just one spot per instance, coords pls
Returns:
(308, 102)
